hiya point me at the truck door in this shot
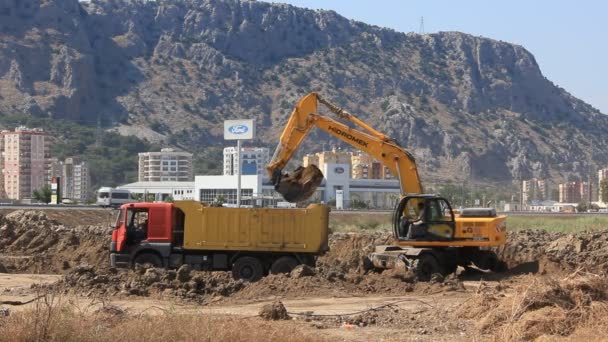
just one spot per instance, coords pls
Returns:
(121, 231)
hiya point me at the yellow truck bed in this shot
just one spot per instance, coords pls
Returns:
(255, 229)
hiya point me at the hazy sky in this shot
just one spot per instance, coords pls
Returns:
(568, 38)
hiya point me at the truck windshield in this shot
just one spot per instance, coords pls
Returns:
(104, 195)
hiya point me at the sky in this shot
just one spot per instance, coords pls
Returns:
(569, 39)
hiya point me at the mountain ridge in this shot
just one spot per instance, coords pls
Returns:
(171, 71)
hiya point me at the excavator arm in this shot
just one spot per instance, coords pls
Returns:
(304, 117)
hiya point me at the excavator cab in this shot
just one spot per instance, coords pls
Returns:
(424, 218)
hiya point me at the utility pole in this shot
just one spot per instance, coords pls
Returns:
(421, 28)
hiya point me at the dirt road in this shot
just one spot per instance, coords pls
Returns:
(411, 307)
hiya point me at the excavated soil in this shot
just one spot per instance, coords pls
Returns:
(532, 251)
(31, 242)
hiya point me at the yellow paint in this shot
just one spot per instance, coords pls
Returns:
(255, 229)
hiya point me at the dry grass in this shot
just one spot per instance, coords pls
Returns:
(53, 319)
(357, 222)
(544, 308)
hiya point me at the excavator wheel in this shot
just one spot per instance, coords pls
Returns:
(300, 184)
(425, 266)
(488, 260)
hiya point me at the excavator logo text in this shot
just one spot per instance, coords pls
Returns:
(348, 136)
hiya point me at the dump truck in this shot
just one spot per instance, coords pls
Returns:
(250, 242)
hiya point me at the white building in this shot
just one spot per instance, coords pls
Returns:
(254, 160)
(166, 165)
(257, 190)
(161, 190)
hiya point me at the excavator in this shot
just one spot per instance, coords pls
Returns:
(429, 236)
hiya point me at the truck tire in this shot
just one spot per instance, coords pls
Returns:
(426, 266)
(147, 258)
(284, 264)
(248, 269)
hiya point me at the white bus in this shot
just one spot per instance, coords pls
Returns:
(111, 197)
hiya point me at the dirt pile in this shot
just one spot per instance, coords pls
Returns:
(347, 250)
(31, 242)
(545, 252)
(148, 282)
(540, 306)
(275, 311)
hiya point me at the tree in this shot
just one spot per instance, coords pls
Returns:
(582, 207)
(604, 190)
(43, 194)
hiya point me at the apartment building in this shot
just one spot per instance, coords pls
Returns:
(254, 161)
(166, 165)
(601, 175)
(573, 192)
(25, 161)
(534, 190)
(363, 166)
(75, 178)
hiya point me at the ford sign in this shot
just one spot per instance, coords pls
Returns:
(339, 170)
(238, 129)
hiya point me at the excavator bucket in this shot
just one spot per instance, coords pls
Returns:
(300, 184)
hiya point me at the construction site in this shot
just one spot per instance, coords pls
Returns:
(554, 287)
(425, 271)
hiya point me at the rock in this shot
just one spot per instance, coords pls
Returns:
(302, 271)
(436, 278)
(152, 275)
(275, 311)
(183, 273)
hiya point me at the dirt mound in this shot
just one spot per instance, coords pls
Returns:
(31, 242)
(275, 311)
(347, 250)
(546, 252)
(148, 282)
(540, 306)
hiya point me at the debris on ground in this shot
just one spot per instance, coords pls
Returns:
(275, 311)
(302, 271)
(32, 242)
(540, 306)
(539, 251)
(148, 282)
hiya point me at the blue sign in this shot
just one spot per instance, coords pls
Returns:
(238, 129)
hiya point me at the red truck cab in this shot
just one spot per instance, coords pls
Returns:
(142, 226)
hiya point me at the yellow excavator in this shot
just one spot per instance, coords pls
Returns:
(429, 237)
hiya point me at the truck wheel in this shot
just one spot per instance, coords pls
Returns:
(248, 269)
(148, 259)
(284, 264)
(426, 266)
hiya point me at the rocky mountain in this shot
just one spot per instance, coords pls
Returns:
(172, 70)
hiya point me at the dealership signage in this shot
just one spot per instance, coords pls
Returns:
(239, 129)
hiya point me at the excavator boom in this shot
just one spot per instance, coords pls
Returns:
(302, 183)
